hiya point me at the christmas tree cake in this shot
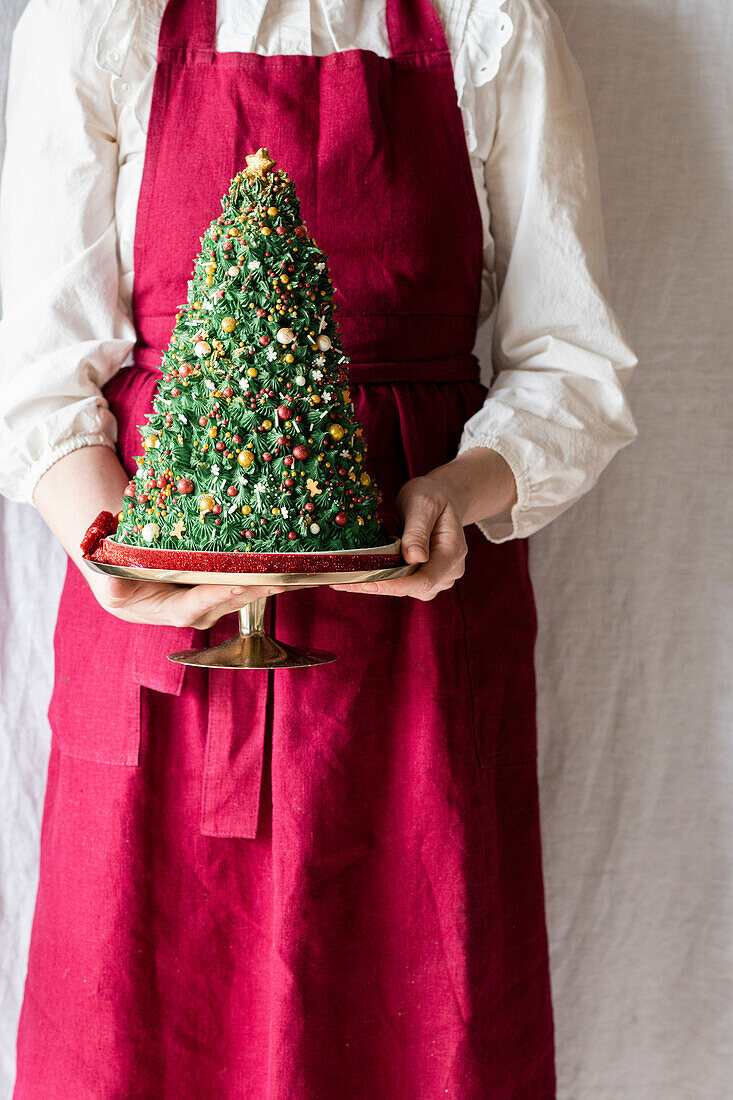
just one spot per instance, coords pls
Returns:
(253, 444)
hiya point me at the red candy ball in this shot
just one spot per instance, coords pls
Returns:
(340, 518)
(292, 535)
(228, 392)
(300, 451)
(284, 412)
(301, 231)
(184, 486)
(264, 340)
(288, 460)
(289, 481)
(129, 489)
(184, 371)
(232, 490)
(216, 509)
(203, 421)
(266, 456)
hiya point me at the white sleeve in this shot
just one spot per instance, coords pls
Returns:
(64, 333)
(556, 409)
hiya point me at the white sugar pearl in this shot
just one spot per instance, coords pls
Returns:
(285, 336)
(314, 528)
(299, 380)
(233, 271)
(150, 532)
(323, 342)
(202, 349)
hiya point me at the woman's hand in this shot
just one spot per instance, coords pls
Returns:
(90, 480)
(432, 534)
(199, 605)
(434, 510)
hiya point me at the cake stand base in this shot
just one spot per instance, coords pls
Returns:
(252, 647)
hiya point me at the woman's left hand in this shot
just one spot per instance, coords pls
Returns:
(432, 534)
(434, 510)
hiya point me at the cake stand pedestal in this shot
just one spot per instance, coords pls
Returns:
(252, 647)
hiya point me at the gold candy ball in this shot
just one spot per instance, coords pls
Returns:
(365, 479)
(272, 211)
(206, 503)
(229, 324)
(245, 458)
(252, 372)
(336, 432)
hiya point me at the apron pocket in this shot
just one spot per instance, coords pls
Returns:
(94, 711)
(96, 719)
(499, 630)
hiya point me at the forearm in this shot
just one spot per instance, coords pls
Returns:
(75, 489)
(479, 481)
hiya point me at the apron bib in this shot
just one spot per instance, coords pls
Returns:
(323, 882)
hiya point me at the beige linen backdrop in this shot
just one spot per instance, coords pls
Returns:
(634, 594)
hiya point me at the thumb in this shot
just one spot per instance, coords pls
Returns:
(415, 544)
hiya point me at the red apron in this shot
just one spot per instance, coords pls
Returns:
(323, 882)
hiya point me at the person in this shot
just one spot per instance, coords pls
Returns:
(313, 882)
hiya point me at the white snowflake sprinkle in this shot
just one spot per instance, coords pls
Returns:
(271, 353)
(254, 264)
(207, 305)
(345, 454)
(209, 384)
(284, 513)
(327, 395)
(320, 267)
(215, 470)
(317, 374)
(319, 360)
(182, 418)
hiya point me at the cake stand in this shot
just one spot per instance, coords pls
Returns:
(252, 647)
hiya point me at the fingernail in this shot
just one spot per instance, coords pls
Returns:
(237, 591)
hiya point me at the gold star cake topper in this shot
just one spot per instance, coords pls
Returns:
(259, 163)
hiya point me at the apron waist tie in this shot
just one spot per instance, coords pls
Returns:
(235, 744)
(463, 367)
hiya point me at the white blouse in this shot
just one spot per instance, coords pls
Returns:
(80, 87)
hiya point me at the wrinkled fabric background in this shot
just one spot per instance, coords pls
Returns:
(634, 588)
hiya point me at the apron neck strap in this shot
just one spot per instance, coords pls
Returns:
(413, 26)
(188, 25)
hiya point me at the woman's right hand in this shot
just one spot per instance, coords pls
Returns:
(90, 480)
(198, 605)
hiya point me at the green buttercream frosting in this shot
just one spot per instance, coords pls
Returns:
(253, 444)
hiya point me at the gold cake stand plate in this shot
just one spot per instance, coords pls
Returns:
(252, 647)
